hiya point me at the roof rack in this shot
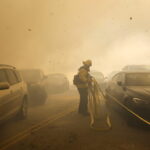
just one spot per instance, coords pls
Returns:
(4, 65)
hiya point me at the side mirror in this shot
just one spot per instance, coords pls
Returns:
(119, 83)
(4, 85)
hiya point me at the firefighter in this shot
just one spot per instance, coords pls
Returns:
(82, 86)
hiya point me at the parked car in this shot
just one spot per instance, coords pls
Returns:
(13, 93)
(109, 77)
(112, 74)
(57, 83)
(136, 68)
(131, 89)
(35, 79)
(98, 76)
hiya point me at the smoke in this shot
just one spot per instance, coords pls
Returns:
(131, 50)
(58, 35)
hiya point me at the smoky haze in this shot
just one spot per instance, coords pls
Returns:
(57, 35)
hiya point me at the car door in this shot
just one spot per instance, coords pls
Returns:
(15, 88)
(5, 96)
(118, 89)
(112, 86)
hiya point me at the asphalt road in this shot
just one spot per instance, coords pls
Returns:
(67, 130)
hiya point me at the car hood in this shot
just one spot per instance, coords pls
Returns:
(140, 90)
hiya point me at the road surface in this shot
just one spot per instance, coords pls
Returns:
(57, 126)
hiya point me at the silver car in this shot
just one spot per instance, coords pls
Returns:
(132, 89)
(13, 93)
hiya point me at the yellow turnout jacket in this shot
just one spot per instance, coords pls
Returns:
(84, 77)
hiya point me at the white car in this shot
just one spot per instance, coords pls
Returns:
(13, 93)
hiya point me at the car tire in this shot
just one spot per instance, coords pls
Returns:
(22, 114)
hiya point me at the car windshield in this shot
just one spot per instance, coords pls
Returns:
(138, 79)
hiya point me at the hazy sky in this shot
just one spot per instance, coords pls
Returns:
(58, 35)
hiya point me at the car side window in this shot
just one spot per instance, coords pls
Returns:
(3, 76)
(12, 78)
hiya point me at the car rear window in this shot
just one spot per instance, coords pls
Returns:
(32, 76)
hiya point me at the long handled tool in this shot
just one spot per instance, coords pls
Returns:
(100, 120)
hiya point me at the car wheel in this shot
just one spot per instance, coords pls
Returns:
(22, 114)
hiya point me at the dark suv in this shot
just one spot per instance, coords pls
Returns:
(13, 93)
(35, 79)
(132, 89)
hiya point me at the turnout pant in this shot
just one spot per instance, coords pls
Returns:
(83, 108)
